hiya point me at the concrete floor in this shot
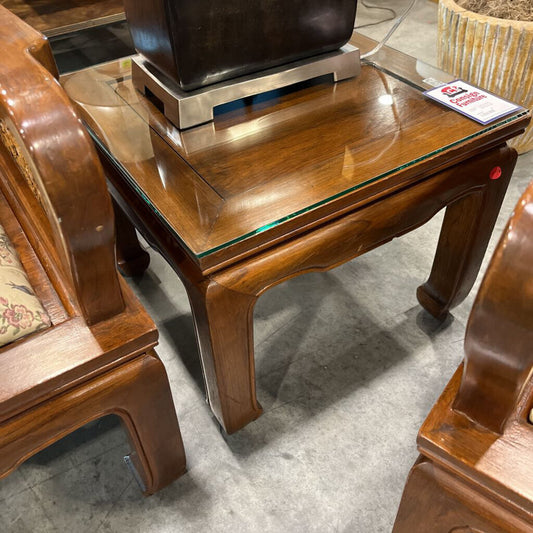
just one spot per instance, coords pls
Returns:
(348, 366)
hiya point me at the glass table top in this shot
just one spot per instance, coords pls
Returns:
(57, 18)
(272, 164)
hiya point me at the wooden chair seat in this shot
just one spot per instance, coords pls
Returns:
(95, 357)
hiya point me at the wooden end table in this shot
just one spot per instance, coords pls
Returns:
(292, 182)
(57, 17)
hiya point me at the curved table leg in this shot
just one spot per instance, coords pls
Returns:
(223, 303)
(224, 323)
(132, 260)
(465, 234)
(222, 300)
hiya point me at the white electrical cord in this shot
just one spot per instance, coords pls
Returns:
(399, 20)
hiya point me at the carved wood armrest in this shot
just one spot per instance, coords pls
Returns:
(499, 337)
(51, 174)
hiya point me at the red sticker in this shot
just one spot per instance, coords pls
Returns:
(495, 173)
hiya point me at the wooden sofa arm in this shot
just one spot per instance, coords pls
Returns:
(476, 464)
(499, 337)
(67, 210)
(96, 356)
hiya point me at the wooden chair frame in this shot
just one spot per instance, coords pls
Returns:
(475, 471)
(97, 358)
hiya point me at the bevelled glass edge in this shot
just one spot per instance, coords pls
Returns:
(360, 185)
(279, 221)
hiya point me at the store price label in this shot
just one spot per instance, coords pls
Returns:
(475, 103)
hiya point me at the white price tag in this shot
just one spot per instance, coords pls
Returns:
(479, 105)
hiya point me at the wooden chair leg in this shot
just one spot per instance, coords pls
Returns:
(132, 260)
(438, 502)
(147, 411)
(465, 233)
(224, 327)
(137, 391)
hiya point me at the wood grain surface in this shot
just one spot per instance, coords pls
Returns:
(53, 17)
(274, 165)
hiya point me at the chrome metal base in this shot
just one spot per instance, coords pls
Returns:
(186, 109)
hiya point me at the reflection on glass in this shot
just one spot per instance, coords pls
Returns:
(272, 158)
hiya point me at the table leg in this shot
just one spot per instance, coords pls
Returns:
(224, 324)
(132, 260)
(223, 303)
(465, 234)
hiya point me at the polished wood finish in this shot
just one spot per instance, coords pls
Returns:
(501, 322)
(302, 180)
(55, 17)
(200, 42)
(476, 445)
(275, 167)
(97, 358)
(84, 238)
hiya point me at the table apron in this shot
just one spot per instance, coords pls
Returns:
(362, 230)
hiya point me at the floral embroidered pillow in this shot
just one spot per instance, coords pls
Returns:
(21, 313)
